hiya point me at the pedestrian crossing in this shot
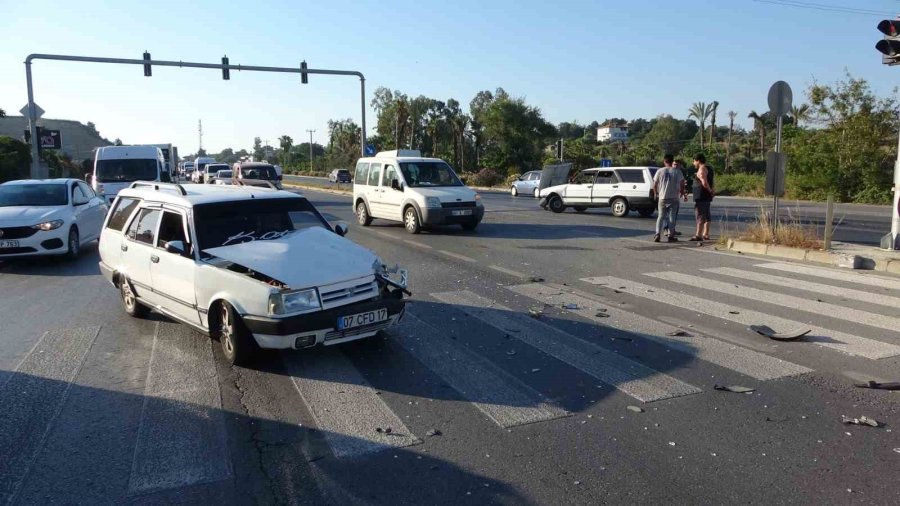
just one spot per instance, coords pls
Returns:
(181, 439)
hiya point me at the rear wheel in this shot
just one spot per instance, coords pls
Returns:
(580, 209)
(537, 193)
(237, 343)
(556, 204)
(619, 207)
(130, 302)
(411, 220)
(514, 191)
(362, 214)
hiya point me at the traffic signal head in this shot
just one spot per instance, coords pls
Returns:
(889, 47)
(303, 74)
(226, 75)
(889, 27)
(147, 71)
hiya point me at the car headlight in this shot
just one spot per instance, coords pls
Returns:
(294, 302)
(478, 200)
(48, 225)
(432, 202)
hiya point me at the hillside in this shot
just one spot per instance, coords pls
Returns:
(78, 141)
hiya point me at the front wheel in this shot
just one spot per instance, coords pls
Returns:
(514, 191)
(537, 193)
(362, 215)
(74, 244)
(556, 204)
(237, 343)
(619, 207)
(411, 220)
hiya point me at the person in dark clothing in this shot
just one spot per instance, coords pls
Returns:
(704, 191)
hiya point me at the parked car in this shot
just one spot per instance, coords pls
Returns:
(256, 172)
(116, 167)
(526, 184)
(402, 186)
(210, 171)
(340, 176)
(187, 170)
(253, 267)
(621, 188)
(223, 177)
(200, 168)
(48, 217)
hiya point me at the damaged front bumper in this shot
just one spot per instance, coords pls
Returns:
(322, 327)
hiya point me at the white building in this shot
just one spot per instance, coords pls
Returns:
(612, 133)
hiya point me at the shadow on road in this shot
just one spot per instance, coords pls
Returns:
(85, 265)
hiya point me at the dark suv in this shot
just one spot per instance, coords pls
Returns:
(340, 176)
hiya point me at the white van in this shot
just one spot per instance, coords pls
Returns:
(116, 167)
(200, 168)
(402, 186)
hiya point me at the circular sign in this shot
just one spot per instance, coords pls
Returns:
(780, 98)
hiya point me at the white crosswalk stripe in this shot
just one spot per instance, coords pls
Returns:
(834, 275)
(750, 363)
(780, 299)
(500, 396)
(808, 286)
(628, 376)
(345, 407)
(847, 343)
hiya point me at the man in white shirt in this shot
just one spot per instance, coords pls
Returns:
(669, 186)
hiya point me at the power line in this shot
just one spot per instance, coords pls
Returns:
(826, 7)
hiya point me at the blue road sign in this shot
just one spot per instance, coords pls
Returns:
(606, 162)
(370, 150)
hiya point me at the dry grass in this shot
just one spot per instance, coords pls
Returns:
(791, 232)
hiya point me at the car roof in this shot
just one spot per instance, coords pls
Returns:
(256, 165)
(370, 159)
(197, 194)
(22, 182)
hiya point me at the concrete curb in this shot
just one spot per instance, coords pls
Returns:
(833, 258)
(317, 188)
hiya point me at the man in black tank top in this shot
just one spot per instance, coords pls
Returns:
(704, 191)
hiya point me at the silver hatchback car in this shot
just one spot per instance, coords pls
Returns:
(527, 184)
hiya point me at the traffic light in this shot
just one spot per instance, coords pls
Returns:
(890, 45)
(147, 71)
(226, 75)
(303, 74)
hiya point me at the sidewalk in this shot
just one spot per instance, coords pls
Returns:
(846, 255)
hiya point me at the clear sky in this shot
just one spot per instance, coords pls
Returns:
(581, 60)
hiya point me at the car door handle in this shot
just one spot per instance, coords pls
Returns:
(154, 259)
(124, 247)
(615, 186)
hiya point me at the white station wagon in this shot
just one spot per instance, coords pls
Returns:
(253, 267)
(622, 189)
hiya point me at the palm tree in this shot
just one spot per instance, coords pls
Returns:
(760, 126)
(700, 111)
(712, 129)
(286, 142)
(800, 113)
(731, 116)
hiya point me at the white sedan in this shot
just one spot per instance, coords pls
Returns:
(48, 217)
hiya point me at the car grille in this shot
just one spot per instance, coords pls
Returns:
(17, 232)
(340, 334)
(344, 293)
(13, 251)
(446, 205)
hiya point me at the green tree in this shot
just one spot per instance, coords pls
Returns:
(700, 111)
(800, 113)
(259, 152)
(15, 158)
(285, 142)
(515, 135)
(759, 126)
(2, 113)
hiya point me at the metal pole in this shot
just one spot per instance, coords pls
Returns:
(310, 150)
(776, 186)
(362, 131)
(895, 211)
(32, 125)
(829, 221)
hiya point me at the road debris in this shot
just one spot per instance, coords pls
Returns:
(734, 312)
(863, 420)
(767, 331)
(679, 333)
(879, 386)
(636, 409)
(570, 306)
(535, 313)
(536, 279)
(734, 388)
(383, 431)
(671, 443)
(602, 314)
(433, 433)
(535, 370)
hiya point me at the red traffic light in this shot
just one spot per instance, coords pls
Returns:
(889, 27)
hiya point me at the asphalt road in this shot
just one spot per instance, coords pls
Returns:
(854, 223)
(497, 389)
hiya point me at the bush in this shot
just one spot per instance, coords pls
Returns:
(486, 178)
(15, 158)
(744, 185)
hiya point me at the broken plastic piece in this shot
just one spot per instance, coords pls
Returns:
(863, 420)
(734, 388)
(636, 409)
(536, 279)
(767, 331)
(434, 432)
(679, 333)
(880, 386)
(602, 315)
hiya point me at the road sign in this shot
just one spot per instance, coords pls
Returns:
(775, 168)
(370, 150)
(606, 162)
(38, 112)
(780, 98)
(50, 139)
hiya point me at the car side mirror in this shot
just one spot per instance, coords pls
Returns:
(176, 247)
(395, 184)
(341, 229)
(519, 178)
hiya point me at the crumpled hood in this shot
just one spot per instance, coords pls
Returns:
(302, 259)
(24, 216)
(447, 193)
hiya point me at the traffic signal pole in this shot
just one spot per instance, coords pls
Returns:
(889, 47)
(32, 113)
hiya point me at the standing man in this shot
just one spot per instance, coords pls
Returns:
(679, 166)
(668, 184)
(704, 191)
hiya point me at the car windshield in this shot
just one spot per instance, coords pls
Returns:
(258, 172)
(228, 223)
(33, 195)
(429, 174)
(343, 172)
(122, 170)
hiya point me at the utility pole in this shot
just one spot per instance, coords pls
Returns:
(200, 134)
(310, 150)
(267, 150)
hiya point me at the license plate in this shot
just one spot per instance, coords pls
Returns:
(9, 244)
(463, 212)
(362, 319)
